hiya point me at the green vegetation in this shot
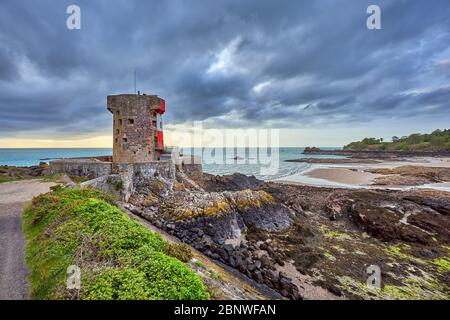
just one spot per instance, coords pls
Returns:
(443, 264)
(401, 251)
(52, 178)
(243, 200)
(7, 179)
(329, 256)
(118, 257)
(118, 185)
(199, 264)
(180, 251)
(334, 234)
(413, 288)
(62, 177)
(439, 140)
(77, 179)
(12, 173)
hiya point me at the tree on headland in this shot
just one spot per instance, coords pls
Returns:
(438, 140)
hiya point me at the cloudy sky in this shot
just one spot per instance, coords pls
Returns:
(309, 68)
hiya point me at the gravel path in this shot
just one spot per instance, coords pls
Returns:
(13, 271)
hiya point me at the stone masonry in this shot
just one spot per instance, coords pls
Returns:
(135, 127)
(137, 149)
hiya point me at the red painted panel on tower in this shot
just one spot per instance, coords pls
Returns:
(162, 106)
(160, 141)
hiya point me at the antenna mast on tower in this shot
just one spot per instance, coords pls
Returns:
(134, 81)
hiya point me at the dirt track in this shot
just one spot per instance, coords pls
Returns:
(13, 271)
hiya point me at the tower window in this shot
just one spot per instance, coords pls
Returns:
(117, 140)
(117, 131)
(118, 112)
(125, 140)
(120, 122)
(130, 121)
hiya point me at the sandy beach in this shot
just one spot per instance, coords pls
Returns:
(359, 175)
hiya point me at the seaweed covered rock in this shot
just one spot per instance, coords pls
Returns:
(225, 215)
(390, 217)
(150, 191)
(216, 223)
(233, 182)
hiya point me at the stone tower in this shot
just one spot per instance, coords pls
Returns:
(137, 127)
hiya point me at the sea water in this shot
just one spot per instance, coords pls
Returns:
(32, 157)
(248, 161)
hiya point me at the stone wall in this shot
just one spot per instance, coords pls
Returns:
(130, 172)
(190, 165)
(112, 184)
(127, 172)
(165, 169)
(81, 167)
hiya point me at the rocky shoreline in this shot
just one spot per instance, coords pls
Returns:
(309, 242)
(333, 161)
(376, 154)
(376, 169)
(212, 222)
(11, 173)
(410, 175)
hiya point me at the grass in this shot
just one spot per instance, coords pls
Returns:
(57, 176)
(77, 179)
(7, 179)
(118, 257)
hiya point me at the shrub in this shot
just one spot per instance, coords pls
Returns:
(118, 185)
(119, 258)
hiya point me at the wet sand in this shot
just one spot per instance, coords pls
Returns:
(354, 175)
(343, 175)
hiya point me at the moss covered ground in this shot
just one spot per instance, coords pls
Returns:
(118, 257)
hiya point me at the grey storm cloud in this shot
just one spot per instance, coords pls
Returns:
(231, 63)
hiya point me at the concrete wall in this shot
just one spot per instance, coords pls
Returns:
(81, 167)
